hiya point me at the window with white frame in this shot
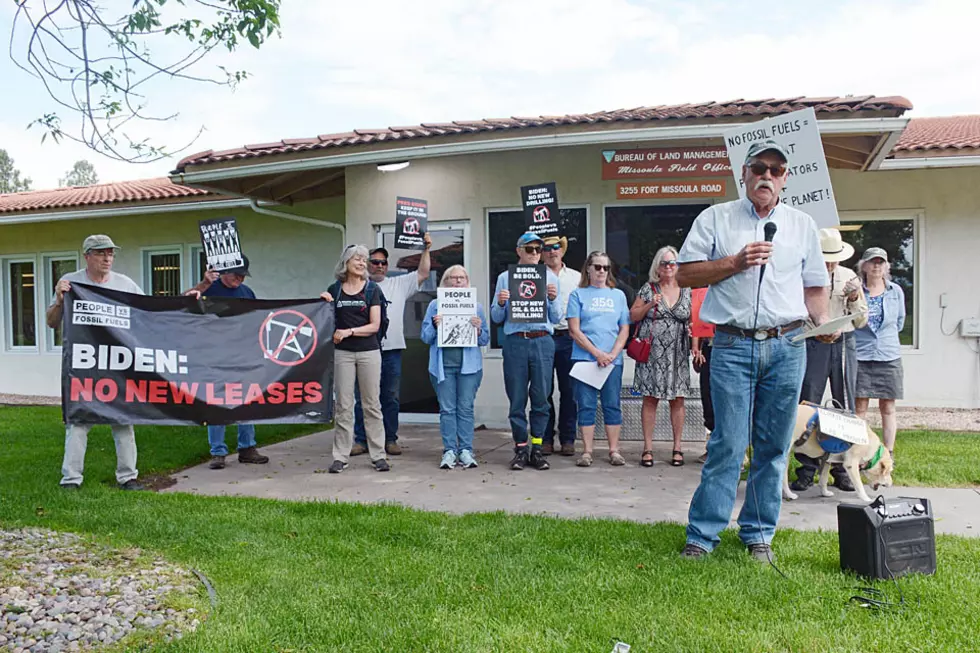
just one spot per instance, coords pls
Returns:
(897, 235)
(55, 266)
(504, 227)
(162, 271)
(20, 303)
(198, 264)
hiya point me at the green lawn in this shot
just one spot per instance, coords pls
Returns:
(339, 577)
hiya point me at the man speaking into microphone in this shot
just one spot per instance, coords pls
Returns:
(763, 266)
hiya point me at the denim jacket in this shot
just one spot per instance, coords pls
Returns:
(884, 345)
(472, 356)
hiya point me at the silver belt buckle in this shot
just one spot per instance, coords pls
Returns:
(761, 334)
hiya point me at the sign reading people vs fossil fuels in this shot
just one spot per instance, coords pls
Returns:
(808, 186)
(131, 359)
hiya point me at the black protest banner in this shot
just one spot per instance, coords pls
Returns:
(222, 247)
(540, 203)
(411, 221)
(132, 359)
(528, 293)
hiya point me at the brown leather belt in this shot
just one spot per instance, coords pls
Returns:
(760, 334)
(528, 335)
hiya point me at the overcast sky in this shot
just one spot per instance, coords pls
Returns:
(379, 63)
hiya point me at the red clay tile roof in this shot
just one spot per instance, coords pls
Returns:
(100, 194)
(703, 110)
(946, 133)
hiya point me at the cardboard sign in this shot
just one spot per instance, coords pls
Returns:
(665, 162)
(223, 249)
(528, 285)
(456, 307)
(540, 203)
(411, 221)
(671, 189)
(808, 187)
(847, 428)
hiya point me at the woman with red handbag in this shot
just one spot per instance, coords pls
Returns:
(665, 310)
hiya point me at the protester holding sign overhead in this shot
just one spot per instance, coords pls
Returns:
(599, 321)
(100, 253)
(756, 368)
(529, 352)
(396, 291)
(456, 373)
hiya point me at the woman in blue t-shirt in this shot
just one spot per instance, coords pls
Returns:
(599, 322)
(456, 373)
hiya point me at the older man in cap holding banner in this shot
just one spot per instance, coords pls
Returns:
(835, 360)
(568, 280)
(762, 264)
(100, 253)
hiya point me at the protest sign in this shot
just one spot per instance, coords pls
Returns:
(528, 285)
(133, 359)
(808, 186)
(222, 247)
(540, 203)
(456, 307)
(411, 221)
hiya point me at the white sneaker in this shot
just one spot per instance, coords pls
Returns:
(466, 459)
(448, 460)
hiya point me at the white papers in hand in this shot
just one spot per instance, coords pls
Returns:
(590, 372)
(828, 327)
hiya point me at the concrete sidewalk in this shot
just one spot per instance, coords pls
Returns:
(298, 469)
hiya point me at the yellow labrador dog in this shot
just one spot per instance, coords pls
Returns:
(872, 458)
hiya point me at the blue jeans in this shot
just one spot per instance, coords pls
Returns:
(456, 395)
(771, 372)
(586, 397)
(566, 392)
(528, 371)
(216, 438)
(391, 383)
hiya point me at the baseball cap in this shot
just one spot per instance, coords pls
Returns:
(874, 252)
(764, 146)
(529, 237)
(98, 241)
(242, 269)
(379, 249)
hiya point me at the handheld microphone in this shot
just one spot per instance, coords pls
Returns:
(770, 230)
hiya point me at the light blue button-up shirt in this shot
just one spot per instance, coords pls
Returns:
(883, 344)
(498, 313)
(796, 263)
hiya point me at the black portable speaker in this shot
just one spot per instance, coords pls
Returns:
(888, 538)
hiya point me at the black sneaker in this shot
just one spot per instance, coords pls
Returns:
(337, 466)
(381, 465)
(842, 481)
(537, 460)
(71, 486)
(132, 484)
(519, 459)
(803, 482)
(693, 552)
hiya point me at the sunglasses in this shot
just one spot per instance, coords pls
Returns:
(668, 264)
(552, 248)
(378, 261)
(532, 249)
(601, 268)
(759, 168)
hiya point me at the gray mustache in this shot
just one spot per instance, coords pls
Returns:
(765, 183)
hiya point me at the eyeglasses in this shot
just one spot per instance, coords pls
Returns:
(759, 168)
(552, 248)
(378, 261)
(458, 278)
(668, 264)
(532, 249)
(601, 268)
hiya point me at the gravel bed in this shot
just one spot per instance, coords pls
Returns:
(59, 592)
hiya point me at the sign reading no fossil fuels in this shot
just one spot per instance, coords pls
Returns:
(132, 359)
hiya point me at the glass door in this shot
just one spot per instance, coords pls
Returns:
(449, 247)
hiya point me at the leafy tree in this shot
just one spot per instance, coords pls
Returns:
(98, 68)
(81, 174)
(10, 179)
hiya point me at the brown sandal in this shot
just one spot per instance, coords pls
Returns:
(674, 460)
(646, 458)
